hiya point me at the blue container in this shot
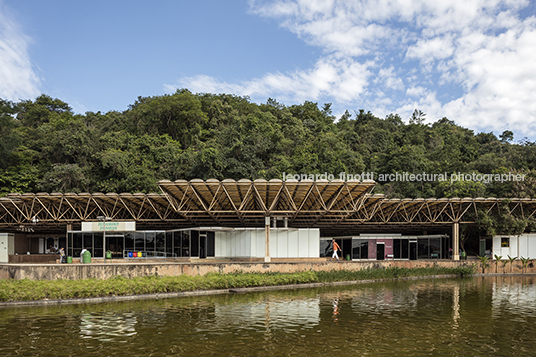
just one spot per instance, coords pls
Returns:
(130, 254)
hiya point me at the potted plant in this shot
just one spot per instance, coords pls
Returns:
(497, 260)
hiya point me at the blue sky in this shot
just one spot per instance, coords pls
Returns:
(472, 61)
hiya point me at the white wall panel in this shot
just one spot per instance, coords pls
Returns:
(523, 246)
(261, 242)
(497, 246)
(218, 244)
(514, 247)
(314, 243)
(282, 244)
(303, 243)
(532, 245)
(293, 243)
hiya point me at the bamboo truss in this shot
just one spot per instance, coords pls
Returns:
(334, 206)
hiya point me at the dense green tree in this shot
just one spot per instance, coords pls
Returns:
(41, 111)
(45, 147)
(9, 139)
(178, 115)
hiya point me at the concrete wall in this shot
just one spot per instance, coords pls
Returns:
(128, 270)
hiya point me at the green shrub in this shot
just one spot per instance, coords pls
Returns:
(27, 290)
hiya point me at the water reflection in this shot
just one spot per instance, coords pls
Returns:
(108, 326)
(429, 317)
(455, 307)
(270, 312)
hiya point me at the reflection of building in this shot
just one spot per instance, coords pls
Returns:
(246, 219)
(108, 326)
(284, 313)
(514, 297)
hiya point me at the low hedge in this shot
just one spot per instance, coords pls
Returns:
(30, 290)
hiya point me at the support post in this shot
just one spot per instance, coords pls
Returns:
(68, 229)
(456, 241)
(267, 240)
(103, 219)
(104, 243)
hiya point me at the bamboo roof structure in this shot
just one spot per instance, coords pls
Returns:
(342, 207)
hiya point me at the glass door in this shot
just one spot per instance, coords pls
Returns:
(380, 251)
(203, 245)
(413, 250)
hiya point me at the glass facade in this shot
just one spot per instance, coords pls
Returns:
(379, 248)
(183, 243)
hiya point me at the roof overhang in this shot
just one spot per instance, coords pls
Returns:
(334, 206)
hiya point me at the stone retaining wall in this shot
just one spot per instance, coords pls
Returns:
(130, 270)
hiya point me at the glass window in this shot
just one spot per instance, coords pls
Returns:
(423, 248)
(364, 248)
(325, 248)
(185, 244)
(435, 248)
(77, 244)
(161, 243)
(139, 241)
(211, 244)
(70, 244)
(397, 248)
(88, 242)
(356, 244)
(129, 241)
(194, 246)
(404, 249)
(97, 239)
(149, 241)
(505, 242)
(177, 244)
(169, 244)
(202, 245)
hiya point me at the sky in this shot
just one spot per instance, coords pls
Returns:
(471, 61)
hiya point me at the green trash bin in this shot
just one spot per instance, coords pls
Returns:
(69, 260)
(108, 254)
(463, 255)
(348, 257)
(86, 257)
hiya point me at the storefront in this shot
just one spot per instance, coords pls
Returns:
(213, 242)
(388, 246)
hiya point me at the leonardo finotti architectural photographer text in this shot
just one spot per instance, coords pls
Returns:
(409, 177)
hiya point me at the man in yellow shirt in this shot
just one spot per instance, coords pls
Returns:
(336, 247)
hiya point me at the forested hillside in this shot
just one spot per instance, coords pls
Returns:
(44, 147)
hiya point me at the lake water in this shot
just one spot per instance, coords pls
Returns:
(442, 317)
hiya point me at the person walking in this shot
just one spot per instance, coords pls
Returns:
(336, 247)
(82, 255)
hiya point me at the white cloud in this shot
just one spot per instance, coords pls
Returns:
(330, 75)
(428, 50)
(499, 73)
(469, 60)
(417, 91)
(17, 77)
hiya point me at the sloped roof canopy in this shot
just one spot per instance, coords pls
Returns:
(338, 207)
(245, 203)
